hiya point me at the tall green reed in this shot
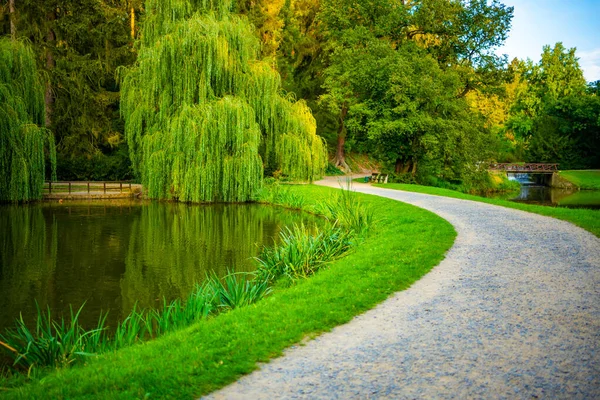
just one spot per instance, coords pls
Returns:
(300, 254)
(236, 290)
(346, 209)
(58, 343)
(274, 192)
(55, 343)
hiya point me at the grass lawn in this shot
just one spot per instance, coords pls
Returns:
(584, 218)
(405, 243)
(585, 180)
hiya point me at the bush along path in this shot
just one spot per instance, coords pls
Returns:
(512, 312)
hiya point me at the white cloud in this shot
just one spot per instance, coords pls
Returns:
(590, 64)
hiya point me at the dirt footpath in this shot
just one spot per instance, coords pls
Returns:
(512, 312)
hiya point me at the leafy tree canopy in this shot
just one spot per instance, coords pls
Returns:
(554, 114)
(22, 134)
(204, 117)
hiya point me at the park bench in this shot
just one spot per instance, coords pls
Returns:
(376, 177)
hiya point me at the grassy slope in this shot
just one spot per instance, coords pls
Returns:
(585, 180)
(405, 244)
(586, 219)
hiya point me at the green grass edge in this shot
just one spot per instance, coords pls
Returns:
(404, 245)
(583, 179)
(584, 218)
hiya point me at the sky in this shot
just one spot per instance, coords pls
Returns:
(575, 23)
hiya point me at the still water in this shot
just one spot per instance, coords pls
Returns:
(531, 193)
(114, 255)
(554, 197)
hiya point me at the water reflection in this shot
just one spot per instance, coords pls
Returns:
(532, 193)
(112, 256)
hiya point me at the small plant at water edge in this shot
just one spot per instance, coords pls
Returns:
(347, 210)
(300, 254)
(234, 290)
(51, 343)
(275, 193)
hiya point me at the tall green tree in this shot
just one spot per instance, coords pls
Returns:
(22, 134)
(77, 46)
(459, 36)
(554, 113)
(204, 116)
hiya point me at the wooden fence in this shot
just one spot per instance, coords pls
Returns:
(89, 187)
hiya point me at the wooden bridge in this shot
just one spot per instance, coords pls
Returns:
(525, 168)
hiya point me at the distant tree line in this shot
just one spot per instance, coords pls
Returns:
(414, 83)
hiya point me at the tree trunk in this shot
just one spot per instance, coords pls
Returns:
(12, 16)
(50, 63)
(340, 156)
(398, 166)
(414, 167)
(401, 166)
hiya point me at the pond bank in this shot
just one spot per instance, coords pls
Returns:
(583, 179)
(406, 243)
(120, 254)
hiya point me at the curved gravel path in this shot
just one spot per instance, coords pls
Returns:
(512, 312)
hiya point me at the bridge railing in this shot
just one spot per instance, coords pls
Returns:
(86, 186)
(524, 168)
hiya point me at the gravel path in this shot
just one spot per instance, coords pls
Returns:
(512, 312)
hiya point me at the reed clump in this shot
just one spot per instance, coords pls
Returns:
(60, 342)
(52, 343)
(348, 211)
(300, 253)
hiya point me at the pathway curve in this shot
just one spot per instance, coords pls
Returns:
(512, 312)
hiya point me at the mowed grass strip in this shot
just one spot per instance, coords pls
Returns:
(404, 244)
(584, 218)
(584, 179)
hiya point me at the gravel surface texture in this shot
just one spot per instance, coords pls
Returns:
(512, 312)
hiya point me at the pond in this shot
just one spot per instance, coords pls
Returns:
(112, 255)
(532, 193)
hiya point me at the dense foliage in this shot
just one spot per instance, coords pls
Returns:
(415, 84)
(77, 46)
(204, 116)
(554, 116)
(397, 77)
(23, 137)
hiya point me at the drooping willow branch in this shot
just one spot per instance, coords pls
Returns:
(204, 117)
(22, 133)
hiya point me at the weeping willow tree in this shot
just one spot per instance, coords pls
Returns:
(204, 118)
(22, 132)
